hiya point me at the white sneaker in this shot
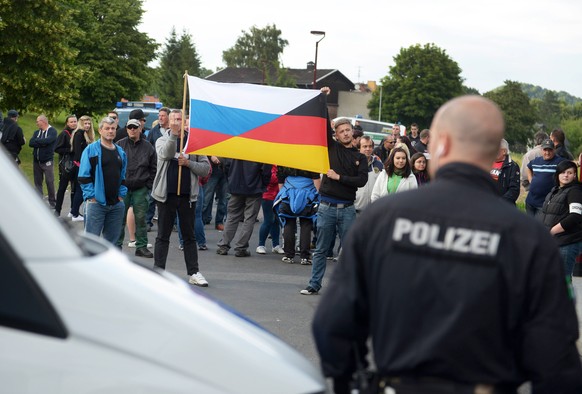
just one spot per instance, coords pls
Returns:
(278, 249)
(261, 250)
(77, 218)
(131, 244)
(198, 279)
(69, 215)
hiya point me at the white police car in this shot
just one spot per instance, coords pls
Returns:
(76, 316)
(150, 110)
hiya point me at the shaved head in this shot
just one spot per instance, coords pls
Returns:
(466, 129)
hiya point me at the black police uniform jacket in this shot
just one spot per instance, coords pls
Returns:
(449, 282)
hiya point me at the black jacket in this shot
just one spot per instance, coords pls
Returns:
(63, 145)
(556, 209)
(508, 182)
(350, 164)
(44, 148)
(142, 163)
(462, 288)
(247, 177)
(12, 137)
(563, 152)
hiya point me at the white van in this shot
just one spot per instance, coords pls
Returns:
(76, 316)
(375, 129)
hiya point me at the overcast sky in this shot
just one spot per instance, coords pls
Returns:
(531, 41)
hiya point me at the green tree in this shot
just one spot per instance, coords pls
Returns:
(112, 53)
(573, 130)
(420, 81)
(37, 55)
(518, 112)
(259, 48)
(179, 55)
(549, 110)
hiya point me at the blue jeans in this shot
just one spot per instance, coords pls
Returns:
(569, 254)
(198, 224)
(328, 220)
(106, 220)
(218, 185)
(270, 224)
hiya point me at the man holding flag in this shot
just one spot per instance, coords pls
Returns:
(348, 171)
(175, 193)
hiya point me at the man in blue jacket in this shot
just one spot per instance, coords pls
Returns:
(102, 179)
(247, 181)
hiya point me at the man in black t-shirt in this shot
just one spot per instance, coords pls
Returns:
(102, 179)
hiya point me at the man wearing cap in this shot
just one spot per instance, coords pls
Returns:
(135, 114)
(140, 174)
(11, 135)
(541, 177)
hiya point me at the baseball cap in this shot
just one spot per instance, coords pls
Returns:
(133, 122)
(547, 144)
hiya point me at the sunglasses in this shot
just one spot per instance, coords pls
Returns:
(113, 117)
(132, 127)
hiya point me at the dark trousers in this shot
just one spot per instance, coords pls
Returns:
(305, 227)
(64, 180)
(42, 172)
(78, 198)
(166, 217)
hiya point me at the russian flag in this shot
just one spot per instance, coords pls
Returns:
(266, 124)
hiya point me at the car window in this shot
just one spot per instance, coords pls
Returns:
(24, 306)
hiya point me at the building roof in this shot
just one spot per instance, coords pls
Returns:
(303, 76)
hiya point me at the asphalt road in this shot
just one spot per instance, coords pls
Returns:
(265, 289)
(261, 287)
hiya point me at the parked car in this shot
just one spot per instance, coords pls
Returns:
(77, 316)
(375, 129)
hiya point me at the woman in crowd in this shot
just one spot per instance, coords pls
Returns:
(562, 213)
(82, 136)
(396, 176)
(63, 148)
(420, 168)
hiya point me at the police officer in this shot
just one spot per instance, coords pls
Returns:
(463, 294)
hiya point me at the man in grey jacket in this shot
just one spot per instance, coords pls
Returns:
(177, 195)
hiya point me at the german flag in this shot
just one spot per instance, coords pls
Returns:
(266, 124)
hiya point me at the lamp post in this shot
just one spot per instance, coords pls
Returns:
(317, 33)
(380, 105)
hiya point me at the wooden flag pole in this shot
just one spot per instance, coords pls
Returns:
(182, 129)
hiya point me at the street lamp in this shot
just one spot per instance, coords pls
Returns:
(380, 104)
(317, 33)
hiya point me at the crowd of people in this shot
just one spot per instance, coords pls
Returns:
(287, 196)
